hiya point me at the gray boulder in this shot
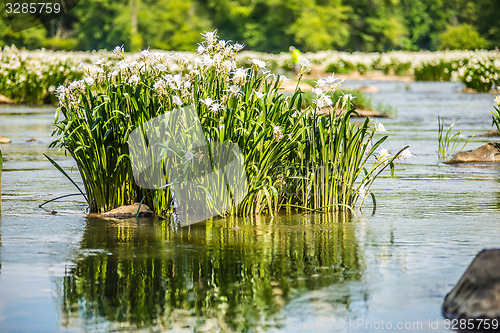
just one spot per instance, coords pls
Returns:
(489, 152)
(477, 294)
(128, 211)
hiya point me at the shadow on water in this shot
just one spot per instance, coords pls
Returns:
(234, 274)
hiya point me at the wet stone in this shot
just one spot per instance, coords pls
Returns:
(129, 211)
(477, 294)
(489, 152)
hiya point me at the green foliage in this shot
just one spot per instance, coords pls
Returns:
(440, 70)
(270, 26)
(496, 114)
(31, 38)
(33, 76)
(322, 27)
(102, 24)
(293, 158)
(462, 37)
(481, 74)
(448, 142)
(59, 44)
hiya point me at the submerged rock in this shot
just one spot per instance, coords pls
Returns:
(4, 140)
(128, 211)
(369, 89)
(489, 152)
(489, 134)
(477, 294)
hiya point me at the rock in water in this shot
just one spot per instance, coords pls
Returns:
(4, 139)
(369, 89)
(489, 152)
(477, 294)
(128, 211)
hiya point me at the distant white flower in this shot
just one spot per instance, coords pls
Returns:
(239, 75)
(215, 107)
(134, 79)
(145, 53)
(329, 81)
(283, 78)
(258, 63)
(497, 100)
(123, 65)
(207, 101)
(383, 153)
(161, 67)
(89, 80)
(379, 127)
(259, 94)
(238, 47)
(76, 84)
(210, 37)
(277, 134)
(118, 50)
(234, 90)
(100, 62)
(347, 98)
(323, 101)
(177, 100)
(317, 91)
(207, 61)
(406, 154)
(159, 84)
(61, 91)
(201, 49)
(305, 65)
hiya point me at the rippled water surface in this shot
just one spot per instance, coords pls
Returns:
(61, 271)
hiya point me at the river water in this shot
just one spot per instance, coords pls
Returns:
(389, 271)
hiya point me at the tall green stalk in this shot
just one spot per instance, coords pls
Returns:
(1, 167)
(448, 142)
(295, 158)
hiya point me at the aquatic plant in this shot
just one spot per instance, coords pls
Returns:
(481, 73)
(32, 76)
(294, 158)
(1, 168)
(448, 142)
(496, 114)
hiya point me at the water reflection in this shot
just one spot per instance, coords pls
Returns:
(231, 274)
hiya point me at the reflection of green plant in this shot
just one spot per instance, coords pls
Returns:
(448, 143)
(153, 275)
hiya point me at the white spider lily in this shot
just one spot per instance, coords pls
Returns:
(383, 153)
(277, 134)
(406, 154)
(207, 101)
(379, 127)
(177, 100)
(258, 63)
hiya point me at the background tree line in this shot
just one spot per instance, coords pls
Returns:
(269, 25)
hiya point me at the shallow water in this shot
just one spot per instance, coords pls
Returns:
(66, 272)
